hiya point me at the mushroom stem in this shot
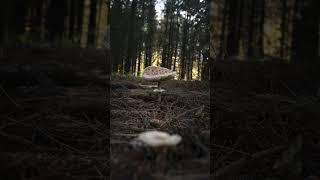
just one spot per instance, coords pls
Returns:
(160, 142)
(159, 88)
(159, 98)
(161, 159)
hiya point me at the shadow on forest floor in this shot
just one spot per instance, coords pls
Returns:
(52, 115)
(265, 121)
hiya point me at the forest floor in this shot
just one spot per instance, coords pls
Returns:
(54, 123)
(183, 109)
(53, 117)
(265, 121)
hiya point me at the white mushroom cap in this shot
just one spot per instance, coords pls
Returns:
(159, 90)
(155, 73)
(158, 138)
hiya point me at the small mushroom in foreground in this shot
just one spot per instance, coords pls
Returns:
(155, 122)
(157, 74)
(161, 142)
(159, 90)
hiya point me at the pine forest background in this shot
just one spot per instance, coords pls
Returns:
(179, 38)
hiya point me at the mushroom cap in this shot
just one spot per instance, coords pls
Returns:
(158, 139)
(159, 90)
(155, 73)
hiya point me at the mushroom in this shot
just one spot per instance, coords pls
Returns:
(161, 142)
(159, 90)
(157, 74)
(155, 122)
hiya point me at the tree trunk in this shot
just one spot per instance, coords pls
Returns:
(141, 37)
(44, 9)
(223, 28)
(165, 43)
(234, 16)
(130, 50)
(115, 35)
(184, 48)
(260, 35)
(283, 29)
(107, 38)
(251, 29)
(177, 41)
(28, 23)
(149, 44)
(305, 35)
(170, 42)
(101, 23)
(97, 21)
(67, 20)
(85, 24)
(256, 28)
(75, 33)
